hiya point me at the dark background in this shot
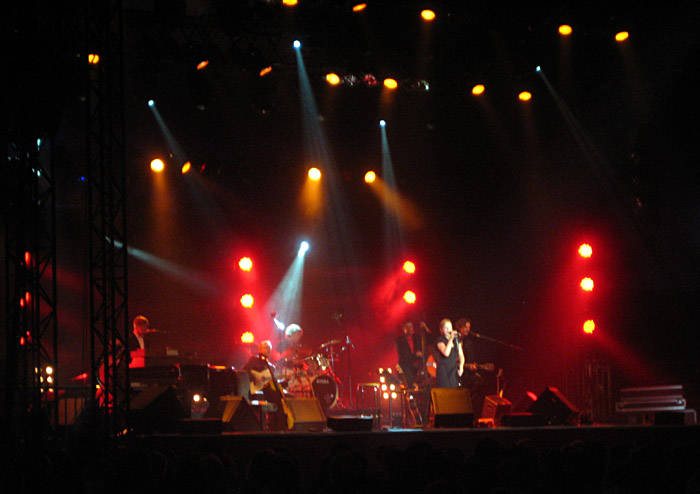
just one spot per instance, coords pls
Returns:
(507, 190)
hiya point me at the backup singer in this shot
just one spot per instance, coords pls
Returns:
(450, 358)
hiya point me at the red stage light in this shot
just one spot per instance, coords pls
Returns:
(409, 297)
(587, 284)
(409, 267)
(589, 326)
(247, 337)
(247, 301)
(245, 263)
(585, 250)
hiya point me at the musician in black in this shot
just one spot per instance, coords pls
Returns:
(410, 354)
(450, 358)
(471, 379)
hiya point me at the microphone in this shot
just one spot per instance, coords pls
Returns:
(273, 314)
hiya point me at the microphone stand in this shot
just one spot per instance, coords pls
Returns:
(494, 340)
(348, 345)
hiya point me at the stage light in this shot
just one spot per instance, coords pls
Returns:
(589, 326)
(314, 174)
(151, 103)
(303, 248)
(203, 65)
(265, 70)
(538, 69)
(196, 397)
(247, 337)
(427, 15)
(478, 90)
(186, 168)
(409, 297)
(48, 370)
(409, 267)
(393, 395)
(525, 96)
(157, 165)
(27, 258)
(370, 177)
(290, 3)
(93, 59)
(622, 36)
(247, 301)
(245, 263)
(565, 30)
(385, 396)
(359, 7)
(390, 83)
(382, 123)
(587, 284)
(296, 44)
(370, 80)
(333, 79)
(585, 250)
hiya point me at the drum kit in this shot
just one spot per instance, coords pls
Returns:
(306, 373)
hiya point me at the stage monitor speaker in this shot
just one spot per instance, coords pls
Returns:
(306, 414)
(452, 407)
(238, 416)
(495, 407)
(555, 408)
(155, 409)
(342, 423)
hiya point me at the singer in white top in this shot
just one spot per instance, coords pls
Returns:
(450, 358)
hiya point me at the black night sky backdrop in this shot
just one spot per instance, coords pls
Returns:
(507, 192)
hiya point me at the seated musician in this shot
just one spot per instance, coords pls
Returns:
(259, 368)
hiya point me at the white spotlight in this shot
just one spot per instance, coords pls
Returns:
(382, 123)
(296, 44)
(538, 69)
(303, 248)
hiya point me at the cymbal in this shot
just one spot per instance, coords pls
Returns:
(329, 343)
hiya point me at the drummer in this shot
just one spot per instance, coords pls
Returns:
(291, 350)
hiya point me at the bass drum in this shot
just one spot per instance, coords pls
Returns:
(325, 389)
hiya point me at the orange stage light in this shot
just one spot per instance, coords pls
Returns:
(359, 7)
(390, 83)
(333, 79)
(427, 15)
(186, 167)
(203, 65)
(622, 36)
(525, 96)
(565, 30)
(289, 3)
(314, 174)
(93, 59)
(409, 297)
(157, 165)
(478, 89)
(266, 70)
(370, 177)
(247, 337)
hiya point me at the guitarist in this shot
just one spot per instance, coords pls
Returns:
(259, 368)
(471, 378)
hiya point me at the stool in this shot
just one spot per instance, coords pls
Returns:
(374, 389)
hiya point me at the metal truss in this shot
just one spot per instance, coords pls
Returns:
(106, 204)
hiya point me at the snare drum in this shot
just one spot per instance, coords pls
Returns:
(325, 389)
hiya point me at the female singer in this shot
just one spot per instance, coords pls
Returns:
(450, 358)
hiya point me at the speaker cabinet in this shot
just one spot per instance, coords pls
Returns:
(452, 407)
(495, 407)
(155, 409)
(238, 416)
(555, 408)
(305, 414)
(343, 423)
